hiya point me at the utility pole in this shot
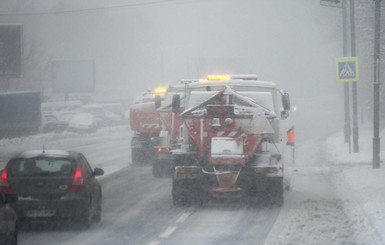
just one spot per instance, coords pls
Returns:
(354, 84)
(342, 4)
(346, 85)
(376, 85)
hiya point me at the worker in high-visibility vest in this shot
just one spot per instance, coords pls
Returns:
(291, 136)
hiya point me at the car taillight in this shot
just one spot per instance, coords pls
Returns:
(160, 149)
(4, 185)
(77, 182)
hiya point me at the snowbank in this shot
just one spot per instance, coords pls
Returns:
(361, 185)
(336, 195)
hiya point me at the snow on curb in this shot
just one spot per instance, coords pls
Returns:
(360, 186)
(361, 190)
(336, 199)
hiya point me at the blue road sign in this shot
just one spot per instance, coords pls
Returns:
(347, 69)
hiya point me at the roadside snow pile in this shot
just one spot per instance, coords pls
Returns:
(361, 186)
(337, 151)
(64, 140)
(336, 197)
(363, 194)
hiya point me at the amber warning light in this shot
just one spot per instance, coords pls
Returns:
(160, 90)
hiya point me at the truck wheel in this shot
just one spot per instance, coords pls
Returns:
(136, 156)
(156, 170)
(275, 192)
(181, 193)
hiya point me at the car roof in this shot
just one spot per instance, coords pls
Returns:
(46, 153)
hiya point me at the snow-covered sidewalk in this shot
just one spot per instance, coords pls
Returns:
(336, 197)
(361, 186)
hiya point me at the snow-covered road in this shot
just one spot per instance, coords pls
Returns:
(335, 198)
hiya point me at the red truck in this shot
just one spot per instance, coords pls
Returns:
(146, 126)
(232, 145)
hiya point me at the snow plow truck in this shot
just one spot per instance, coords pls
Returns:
(146, 125)
(231, 140)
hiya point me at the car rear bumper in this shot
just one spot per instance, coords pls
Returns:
(50, 209)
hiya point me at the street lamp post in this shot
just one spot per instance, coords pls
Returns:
(342, 4)
(376, 85)
(354, 84)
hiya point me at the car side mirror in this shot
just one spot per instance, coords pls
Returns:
(98, 172)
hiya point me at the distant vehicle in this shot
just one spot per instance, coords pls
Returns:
(102, 117)
(146, 125)
(53, 185)
(8, 220)
(82, 123)
(115, 111)
(20, 113)
(57, 114)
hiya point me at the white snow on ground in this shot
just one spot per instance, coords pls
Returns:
(336, 197)
(104, 137)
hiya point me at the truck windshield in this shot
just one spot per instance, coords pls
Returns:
(261, 96)
(264, 99)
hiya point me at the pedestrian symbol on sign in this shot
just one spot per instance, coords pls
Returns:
(347, 69)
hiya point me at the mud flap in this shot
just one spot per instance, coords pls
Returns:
(187, 192)
(274, 191)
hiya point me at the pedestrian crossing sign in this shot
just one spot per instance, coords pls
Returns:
(347, 69)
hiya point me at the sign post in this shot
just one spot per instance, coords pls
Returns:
(346, 72)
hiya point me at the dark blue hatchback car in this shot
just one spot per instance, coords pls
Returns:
(53, 185)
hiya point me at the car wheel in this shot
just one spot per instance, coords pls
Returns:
(98, 213)
(87, 219)
(14, 237)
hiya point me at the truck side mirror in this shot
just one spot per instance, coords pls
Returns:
(175, 103)
(286, 101)
(158, 101)
(284, 115)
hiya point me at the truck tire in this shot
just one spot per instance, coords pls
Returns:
(182, 192)
(275, 192)
(137, 156)
(157, 169)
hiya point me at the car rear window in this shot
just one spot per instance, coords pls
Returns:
(41, 167)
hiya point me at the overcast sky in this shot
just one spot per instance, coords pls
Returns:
(139, 44)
